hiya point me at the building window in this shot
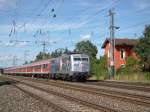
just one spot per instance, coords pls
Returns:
(122, 54)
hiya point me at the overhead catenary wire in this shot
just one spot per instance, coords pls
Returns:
(39, 14)
(88, 26)
(15, 25)
(135, 25)
(41, 11)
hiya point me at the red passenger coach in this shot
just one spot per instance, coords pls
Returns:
(41, 68)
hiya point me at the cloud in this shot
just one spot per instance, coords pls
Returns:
(141, 4)
(55, 40)
(85, 37)
(15, 44)
(5, 57)
(9, 44)
(49, 41)
(21, 44)
(32, 28)
(7, 4)
(92, 3)
(55, 26)
(5, 29)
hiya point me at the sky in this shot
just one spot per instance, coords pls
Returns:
(26, 24)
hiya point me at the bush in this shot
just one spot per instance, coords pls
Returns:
(99, 68)
(147, 76)
(132, 65)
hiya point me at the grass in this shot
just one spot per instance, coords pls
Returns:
(131, 77)
(140, 76)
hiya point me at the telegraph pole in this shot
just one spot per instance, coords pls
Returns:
(112, 44)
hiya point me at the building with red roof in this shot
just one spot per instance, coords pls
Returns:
(122, 50)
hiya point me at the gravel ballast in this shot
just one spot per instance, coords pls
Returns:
(101, 100)
(14, 100)
(115, 104)
(57, 100)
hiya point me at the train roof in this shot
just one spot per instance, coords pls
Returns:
(39, 62)
(31, 64)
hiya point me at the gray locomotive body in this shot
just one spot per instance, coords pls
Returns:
(73, 66)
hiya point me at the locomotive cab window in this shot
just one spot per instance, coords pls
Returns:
(84, 59)
(77, 59)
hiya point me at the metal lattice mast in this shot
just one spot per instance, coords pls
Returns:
(44, 49)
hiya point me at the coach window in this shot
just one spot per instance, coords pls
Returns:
(38, 67)
(35, 67)
(45, 66)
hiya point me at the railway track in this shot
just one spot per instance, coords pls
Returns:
(54, 106)
(124, 85)
(132, 98)
(79, 101)
(137, 99)
(8, 81)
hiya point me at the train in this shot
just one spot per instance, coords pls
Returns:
(74, 67)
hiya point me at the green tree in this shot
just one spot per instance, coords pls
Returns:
(132, 64)
(42, 56)
(87, 47)
(26, 62)
(143, 48)
(59, 52)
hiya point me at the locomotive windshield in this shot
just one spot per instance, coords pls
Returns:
(84, 59)
(79, 59)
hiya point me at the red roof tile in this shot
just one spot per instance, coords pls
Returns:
(123, 41)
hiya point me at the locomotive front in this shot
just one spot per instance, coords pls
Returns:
(80, 65)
